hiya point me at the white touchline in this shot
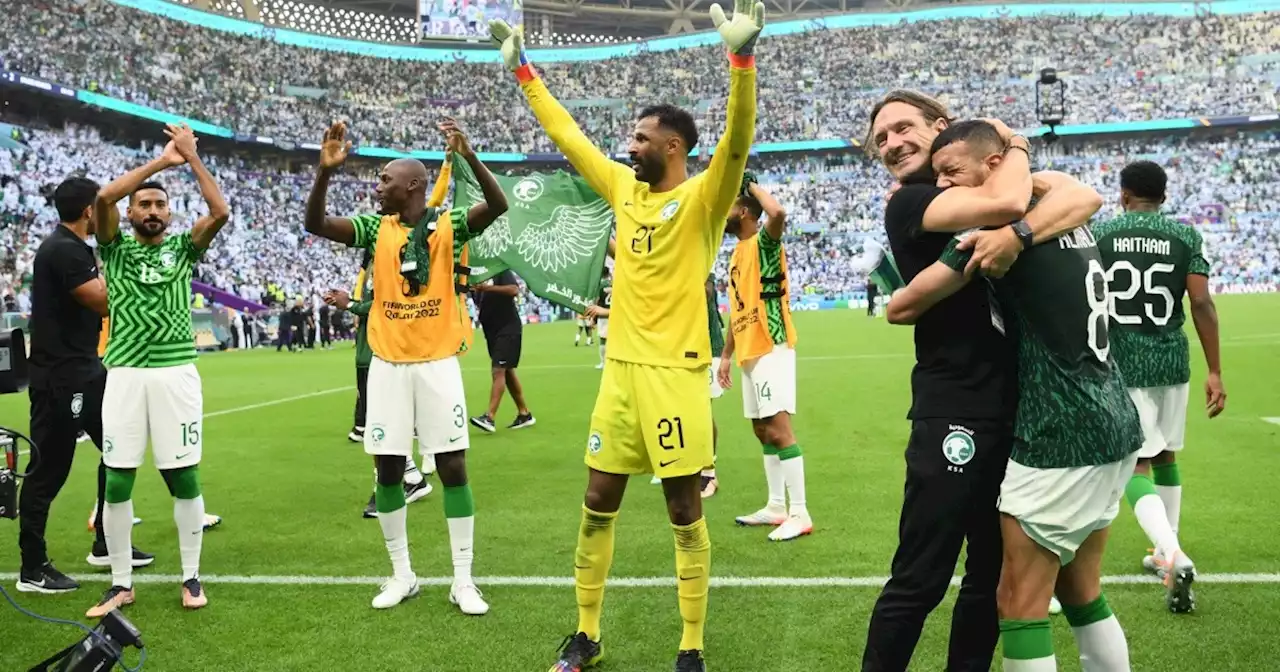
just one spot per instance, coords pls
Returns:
(273, 402)
(622, 582)
(1274, 421)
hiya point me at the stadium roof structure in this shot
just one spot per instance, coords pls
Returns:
(629, 19)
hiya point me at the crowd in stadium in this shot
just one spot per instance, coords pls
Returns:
(820, 84)
(1227, 186)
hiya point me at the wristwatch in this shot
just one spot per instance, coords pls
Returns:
(1023, 231)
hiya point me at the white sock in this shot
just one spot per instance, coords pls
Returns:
(577, 338)
(602, 353)
(395, 531)
(1150, 512)
(1102, 646)
(462, 543)
(1049, 664)
(709, 473)
(1171, 495)
(117, 527)
(411, 474)
(776, 481)
(188, 514)
(428, 464)
(793, 476)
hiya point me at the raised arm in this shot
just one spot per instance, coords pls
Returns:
(494, 205)
(775, 215)
(1065, 205)
(723, 178)
(105, 211)
(208, 226)
(333, 153)
(1003, 198)
(600, 172)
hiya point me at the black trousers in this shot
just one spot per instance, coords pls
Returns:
(362, 387)
(872, 292)
(57, 417)
(284, 337)
(326, 334)
(954, 469)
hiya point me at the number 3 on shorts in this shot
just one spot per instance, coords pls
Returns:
(459, 413)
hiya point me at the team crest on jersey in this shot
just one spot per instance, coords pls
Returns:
(669, 210)
(377, 433)
(528, 189)
(958, 448)
(167, 259)
(77, 404)
(594, 443)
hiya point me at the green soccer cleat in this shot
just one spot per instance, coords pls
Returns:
(577, 653)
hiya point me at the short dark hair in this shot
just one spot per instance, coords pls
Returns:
(978, 133)
(751, 204)
(152, 184)
(1145, 180)
(675, 119)
(73, 196)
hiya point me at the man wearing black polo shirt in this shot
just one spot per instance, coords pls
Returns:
(502, 333)
(963, 397)
(69, 299)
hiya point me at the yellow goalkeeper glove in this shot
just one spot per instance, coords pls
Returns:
(740, 32)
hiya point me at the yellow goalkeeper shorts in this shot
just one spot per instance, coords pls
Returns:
(650, 419)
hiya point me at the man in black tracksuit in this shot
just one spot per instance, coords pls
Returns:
(963, 390)
(69, 299)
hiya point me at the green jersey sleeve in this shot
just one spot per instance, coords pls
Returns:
(461, 228)
(366, 228)
(187, 248)
(107, 249)
(1199, 260)
(956, 259)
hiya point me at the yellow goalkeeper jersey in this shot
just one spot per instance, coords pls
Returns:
(667, 241)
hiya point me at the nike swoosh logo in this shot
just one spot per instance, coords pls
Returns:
(687, 578)
(179, 457)
(456, 438)
(668, 463)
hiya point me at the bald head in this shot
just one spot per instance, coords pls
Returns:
(402, 185)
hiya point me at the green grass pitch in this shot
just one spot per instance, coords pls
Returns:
(291, 571)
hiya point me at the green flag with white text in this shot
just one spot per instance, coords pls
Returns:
(555, 234)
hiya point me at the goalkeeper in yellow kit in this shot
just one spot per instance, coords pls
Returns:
(652, 413)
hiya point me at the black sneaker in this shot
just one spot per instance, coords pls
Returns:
(356, 435)
(371, 509)
(484, 423)
(523, 420)
(690, 661)
(413, 493)
(99, 558)
(577, 653)
(45, 579)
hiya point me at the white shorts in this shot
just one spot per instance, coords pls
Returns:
(1163, 412)
(584, 321)
(1060, 508)
(163, 405)
(716, 390)
(769, 384)
(602, 328)
(423, 396)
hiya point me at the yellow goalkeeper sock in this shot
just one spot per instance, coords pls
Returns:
(591, 567)
(693, 571)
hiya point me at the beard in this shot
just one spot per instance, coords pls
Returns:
(150, 227)
(733, 224)
(649, 170)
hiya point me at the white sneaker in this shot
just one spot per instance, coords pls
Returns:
(394, 592)
(1152, 563)
(655, 481)
(600, 365)
(766, 516)
(1055, 607)
(468, 599)
(795, 527)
